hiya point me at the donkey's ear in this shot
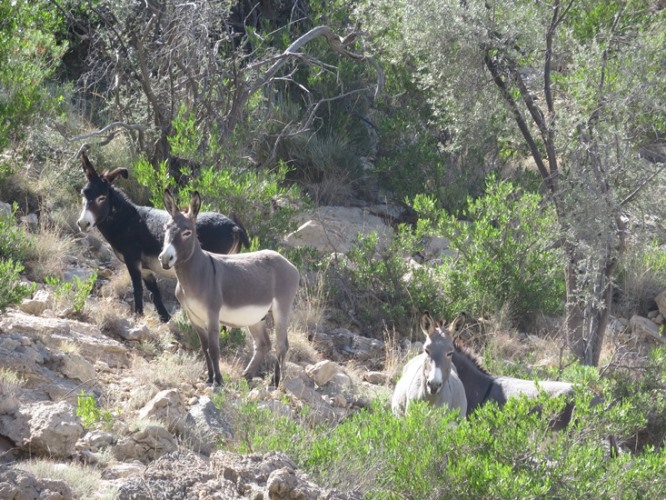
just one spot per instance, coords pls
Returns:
(457, 323)
(195, 205)
(113, 175)
(427, 323)
(88, 169)
(170, 203)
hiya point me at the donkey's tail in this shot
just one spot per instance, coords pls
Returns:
(240, 231)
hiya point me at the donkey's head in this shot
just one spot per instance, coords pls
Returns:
(180, 233)
(95, 194)
(438, 349)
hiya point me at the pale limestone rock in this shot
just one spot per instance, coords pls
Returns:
(78, 368)
(660, 299)
(40, 301)
(645, 328)
(323, 371)
(146, 444)
(334, 229)
(167, 407)
(43, 428)
(375, 377)
(17, 484)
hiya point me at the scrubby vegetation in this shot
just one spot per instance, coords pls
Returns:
(529, 135)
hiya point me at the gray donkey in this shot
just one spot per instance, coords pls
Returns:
(431, 376)
(231, 290)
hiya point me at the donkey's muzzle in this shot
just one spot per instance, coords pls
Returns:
(433, 387)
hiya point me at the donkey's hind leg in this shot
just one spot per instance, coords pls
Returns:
(151, 285)
(262, 344)
(281, 327)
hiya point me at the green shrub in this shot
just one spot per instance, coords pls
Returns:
(74, 293)
(505, 255)
(14, 241)
(90, 413)
(12, 290)
(381, 287)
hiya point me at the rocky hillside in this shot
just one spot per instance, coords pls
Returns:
(120, 400)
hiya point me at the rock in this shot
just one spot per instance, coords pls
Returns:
(41, 300)
(206, 427)
(137, 333)
(30, 220)
(123, 470)
(147, 444)
(179, 475)
(19, 484)
(76, 367)
(321, 411)
(340, 344)
(43, 428)
(376, 377)
(74, 273)
(5, 208)
(660, 299)
(167, 407)
(334, 229)
(323, 371)
(645, 328)
(95, 441)
(53, 332)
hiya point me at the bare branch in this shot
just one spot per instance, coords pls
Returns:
(102, 131)
(336, 43)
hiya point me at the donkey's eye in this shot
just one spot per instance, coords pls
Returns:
(187, 233)
(449, 354)
(427, 350)
(100, 199)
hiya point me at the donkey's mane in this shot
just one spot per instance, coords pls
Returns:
(469, 354)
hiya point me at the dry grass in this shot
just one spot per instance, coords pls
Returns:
(169, 369)
(85, 482)
(10, 382)
(118, 286)
(48, 254)
(69, 347)
(395, 357)
(109, 315)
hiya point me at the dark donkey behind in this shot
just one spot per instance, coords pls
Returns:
(136, 232)
(481, 387)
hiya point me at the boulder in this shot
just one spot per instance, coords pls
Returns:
(40, 301)
(19, 484)
(645, 328)
(323, 371)
(206, 427)
(44, 428)
(146, 444)
(334, 229)
(167, 407)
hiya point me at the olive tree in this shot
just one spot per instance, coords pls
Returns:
(577, 86)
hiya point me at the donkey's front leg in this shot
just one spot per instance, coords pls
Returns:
(134, 268)
(203, 340)
(214, 346)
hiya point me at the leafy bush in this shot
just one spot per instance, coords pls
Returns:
(12, 290)
(506, 255)
(381, 287)
(429, 453)
(74, 293)
(14, 241)
(248, 193)
(90, 413)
